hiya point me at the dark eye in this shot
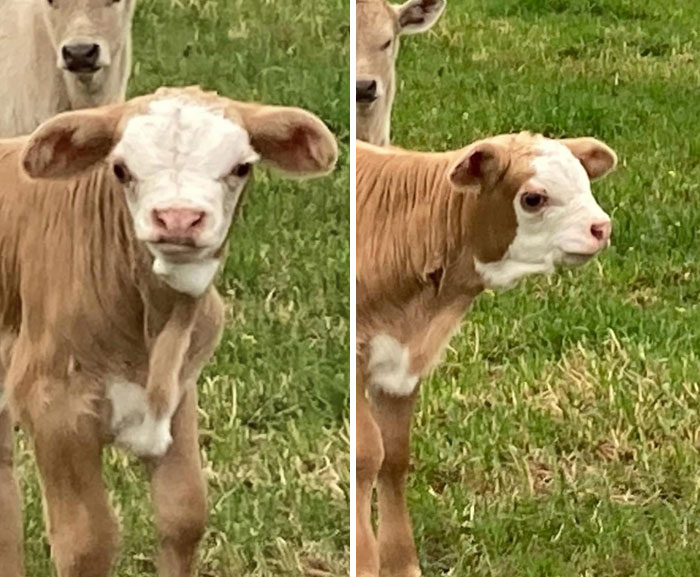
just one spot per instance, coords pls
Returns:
(386, 45)
(121, 172)
(532, 201)
(241, 170)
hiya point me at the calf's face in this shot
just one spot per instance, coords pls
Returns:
(183, 159)
(379, 25)
(87, 35)
(535, 207)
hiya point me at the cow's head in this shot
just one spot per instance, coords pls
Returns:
(379, 26)
(88, 36)
(534, 207)
(183, 158)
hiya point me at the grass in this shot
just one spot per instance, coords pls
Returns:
(560, 436)
(274, 402)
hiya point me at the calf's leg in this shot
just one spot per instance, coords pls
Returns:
(179, 494)
(83, 531)
(397, 549)
(10, 510)
(369, 457)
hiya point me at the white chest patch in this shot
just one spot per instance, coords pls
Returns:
(504, 273)
(189, 278)
(389, 366)
(133, 425)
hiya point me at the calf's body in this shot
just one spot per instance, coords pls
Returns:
(433, 230)
(107, 311)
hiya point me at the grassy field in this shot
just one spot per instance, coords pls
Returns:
(561, 435)
(274, 403)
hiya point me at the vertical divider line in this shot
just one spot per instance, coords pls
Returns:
(353, 296)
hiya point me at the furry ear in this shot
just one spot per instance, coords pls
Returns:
(417, 16)
(597, 158)
(71, 143)
(291, 139)
(480, 164)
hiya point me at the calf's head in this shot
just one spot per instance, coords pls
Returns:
(379, 25)
(87, 36)
(183, 158)
(534, 208)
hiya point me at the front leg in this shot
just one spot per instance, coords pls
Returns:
(143, 419)
(177, 482)
(179, 494)
(397, 549)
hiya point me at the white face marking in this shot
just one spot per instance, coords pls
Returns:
(559, 232)
(133, 425)
(389, 366)
(180, 157)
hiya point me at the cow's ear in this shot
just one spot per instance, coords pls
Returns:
(597, 158)
(479, 165)
(290, 139)
(71, 143)
(417, 16)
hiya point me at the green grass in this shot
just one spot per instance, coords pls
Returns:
(560, 436)
(274, 402)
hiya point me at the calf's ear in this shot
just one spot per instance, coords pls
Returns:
(597, 158)
(71, 143)
(417, 16)
(480, 165)
(290, 139)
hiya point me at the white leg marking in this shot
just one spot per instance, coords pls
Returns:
(133, 425)
(389, 366)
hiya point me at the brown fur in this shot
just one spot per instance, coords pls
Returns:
(79, 304)
(417, 236)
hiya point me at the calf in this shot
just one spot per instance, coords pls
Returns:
(379, 26)
(107, 310)
(58, 55)
(433, 231)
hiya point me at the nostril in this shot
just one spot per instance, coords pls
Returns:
(600, 230)
(158, 221)
(366, 90)
(81, 57)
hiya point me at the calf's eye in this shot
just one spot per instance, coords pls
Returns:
(532, 201)
(386, 45)
(241, 170)
(121, 172)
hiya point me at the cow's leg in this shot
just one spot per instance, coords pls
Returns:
(369, 456)
(83, 531)
(10, 509)
(397, 549)
(179, 494)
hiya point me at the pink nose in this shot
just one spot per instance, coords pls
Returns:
(601, 230)
(178, 221)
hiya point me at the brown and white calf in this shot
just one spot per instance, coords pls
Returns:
(59, 55)
(433, 231)
(107, 309)
(379, 26)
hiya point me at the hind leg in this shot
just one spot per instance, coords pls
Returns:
(10, 509)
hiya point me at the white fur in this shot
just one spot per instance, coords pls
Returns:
(389, 366)
(33, 88)
(132, 424)
(558, 234)
(189, 278)
(180, 155)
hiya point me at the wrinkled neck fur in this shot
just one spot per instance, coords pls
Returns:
(416, 224)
